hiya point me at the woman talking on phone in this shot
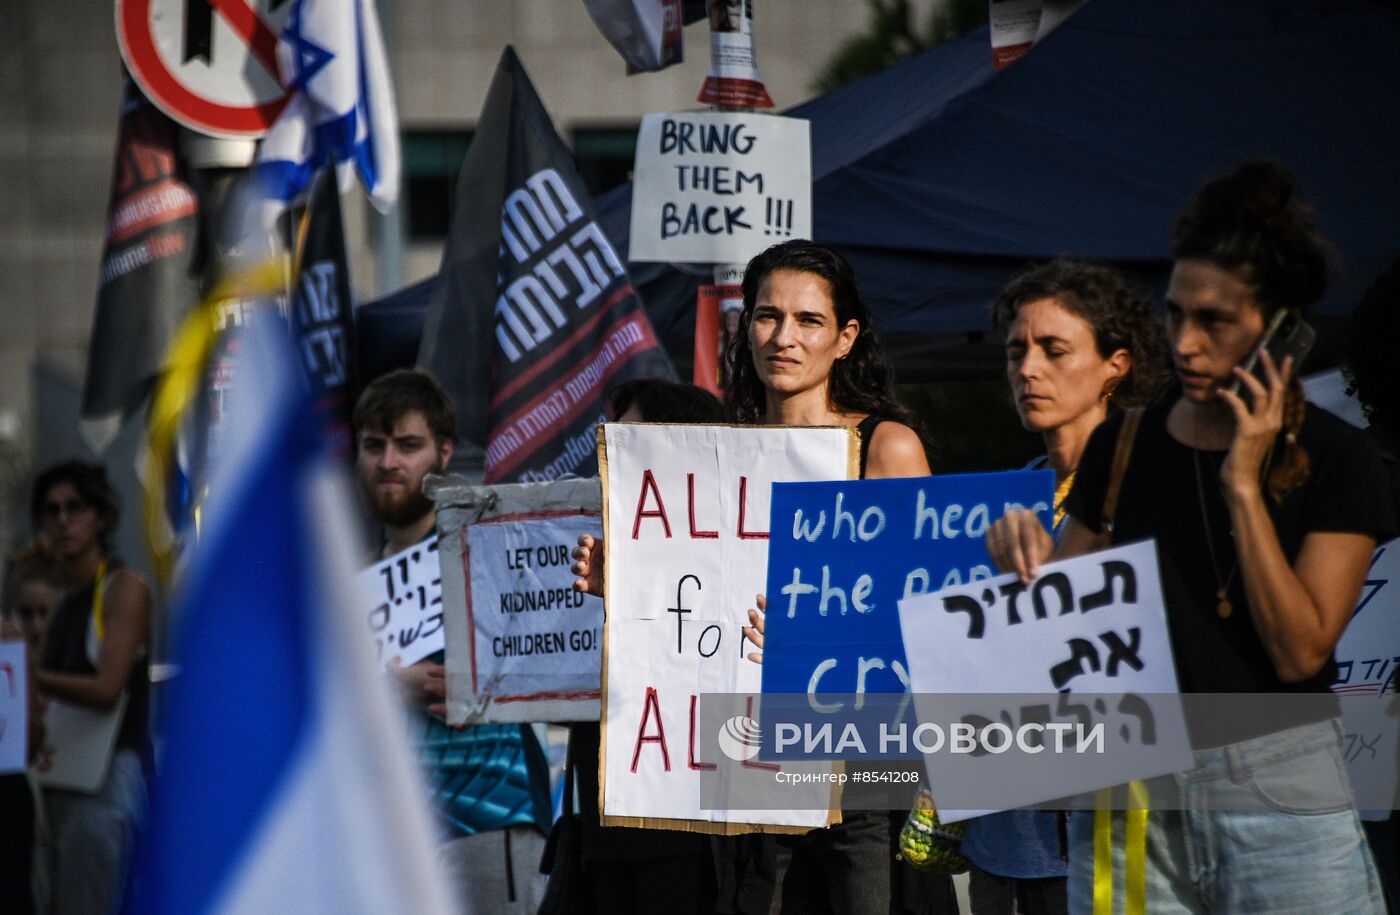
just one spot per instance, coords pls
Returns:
(1265, 514)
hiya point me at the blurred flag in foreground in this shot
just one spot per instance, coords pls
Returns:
(331, 56)
(285, 782)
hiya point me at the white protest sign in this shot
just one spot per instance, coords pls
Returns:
(522, 645)
(14, 708)
(686, 518)
(712, 187)
(1368, 677)
(78, 745)
(403, 603)
(1091, 625)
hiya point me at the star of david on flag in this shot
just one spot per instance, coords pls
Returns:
(332, 60)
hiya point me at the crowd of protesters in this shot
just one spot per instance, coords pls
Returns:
(1266, 512)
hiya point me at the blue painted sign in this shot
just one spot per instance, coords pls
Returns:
(842, 554)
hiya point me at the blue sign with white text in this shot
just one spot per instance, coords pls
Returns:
(842, 554)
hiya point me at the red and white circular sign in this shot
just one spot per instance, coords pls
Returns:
(209, 64)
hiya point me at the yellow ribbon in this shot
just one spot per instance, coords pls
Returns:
(186, 363)
(1134, 851)
(99, 620)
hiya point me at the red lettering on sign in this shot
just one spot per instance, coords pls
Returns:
(659, 737)
(698, 766)
(648, 482)
(743, 534)
(695, 534)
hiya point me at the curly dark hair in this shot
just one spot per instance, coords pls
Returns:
(862, 382)
(1250, 222)
(1119, 314)
(1372, 329)
(93, 488)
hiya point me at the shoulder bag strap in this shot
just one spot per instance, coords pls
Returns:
(1127, 434)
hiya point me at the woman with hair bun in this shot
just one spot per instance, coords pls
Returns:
(1265, 514)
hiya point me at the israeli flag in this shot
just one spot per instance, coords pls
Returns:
(331, 58)
(285, 783)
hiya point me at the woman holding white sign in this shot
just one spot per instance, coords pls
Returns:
(94, 657)
(807, 354)
(1080, 343)
(1265, 514)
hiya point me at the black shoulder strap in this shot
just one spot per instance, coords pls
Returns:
(866, 428)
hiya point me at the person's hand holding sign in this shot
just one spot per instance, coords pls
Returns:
(423, 685)
(754, 631)
(1018, 542)
(588, 565)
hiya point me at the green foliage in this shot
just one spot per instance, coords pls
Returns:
(892, 34)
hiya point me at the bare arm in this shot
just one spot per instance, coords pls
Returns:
(127, 607)
(895, 451)
(1299, 611)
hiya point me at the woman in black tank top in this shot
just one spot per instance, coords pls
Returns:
(807, 354)
(94, 653)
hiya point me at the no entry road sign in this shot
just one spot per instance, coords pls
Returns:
(209, 64)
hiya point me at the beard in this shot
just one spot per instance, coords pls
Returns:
(405, 506)
(400, 510)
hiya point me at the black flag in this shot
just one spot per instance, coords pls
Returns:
(533, 316)
(147, 281)
(322, 316)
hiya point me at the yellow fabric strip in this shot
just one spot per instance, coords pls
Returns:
(1135, 851)
(1103, 851)
(99, 618)
(186, 362)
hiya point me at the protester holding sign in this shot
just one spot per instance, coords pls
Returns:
(807, 354)
(490, 782)
(1080, 343)
(1265, 517)
(94, 658)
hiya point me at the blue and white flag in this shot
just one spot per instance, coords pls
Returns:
(332, 60)
(285, 781)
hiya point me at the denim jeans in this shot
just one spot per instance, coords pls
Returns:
(1265, 825)
(93, 835)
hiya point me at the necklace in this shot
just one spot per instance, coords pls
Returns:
(1223, 607)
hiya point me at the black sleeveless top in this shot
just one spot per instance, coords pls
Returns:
(65, 651)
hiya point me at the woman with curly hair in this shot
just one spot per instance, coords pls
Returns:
(1265, 514)
(1081, 343)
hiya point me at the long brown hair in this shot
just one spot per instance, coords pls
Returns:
(859, 383)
